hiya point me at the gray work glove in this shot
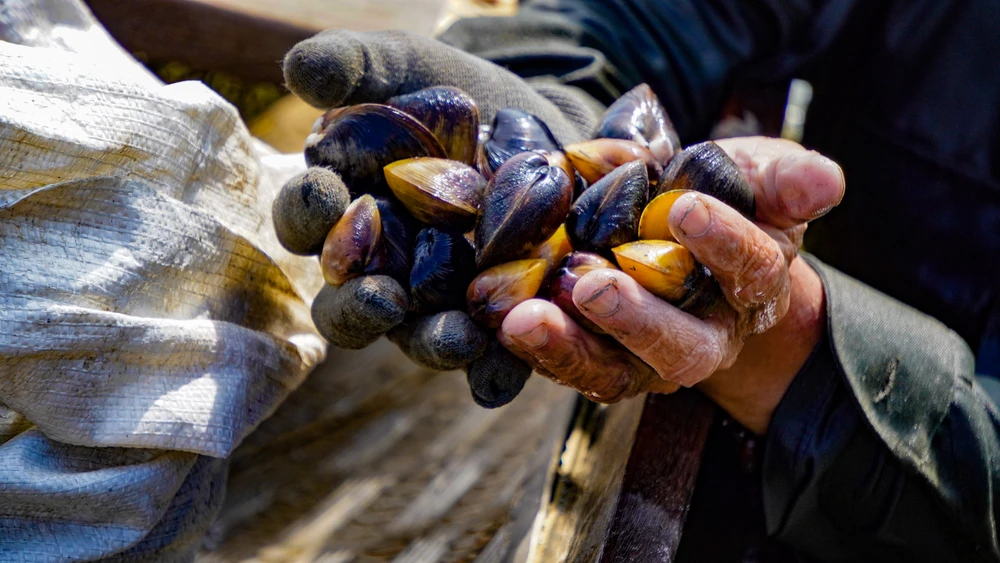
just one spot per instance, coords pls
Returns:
(338, 68)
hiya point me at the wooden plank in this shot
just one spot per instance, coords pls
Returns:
(202, 35)
(659, 479)
(585, 480)
(623, 483)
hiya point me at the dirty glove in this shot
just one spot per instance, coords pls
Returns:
(337, 68)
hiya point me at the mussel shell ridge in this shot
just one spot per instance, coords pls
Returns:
(640, 117)
(607, 214)
(523, 206)
(707, 168)
(449, 113)
(514, 132)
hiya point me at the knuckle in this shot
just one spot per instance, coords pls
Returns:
(689, 368)
(755, 281)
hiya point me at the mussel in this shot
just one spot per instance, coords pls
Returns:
(497, 290)
(595, 158)
(443, 265)
(359, 141)
(437, 191)
(553, 250)
(353, 246)
(653, 224)
(573, 267)
(638, 116)
(449, 113)
(607, 214)
(707, 168)
(399, 230)
(514, 132)
(669, 271)
(524, 204)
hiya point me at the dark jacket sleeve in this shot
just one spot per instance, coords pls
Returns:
(689, 51)
(884, 448)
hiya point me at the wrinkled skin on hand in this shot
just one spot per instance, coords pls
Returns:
(746, 352)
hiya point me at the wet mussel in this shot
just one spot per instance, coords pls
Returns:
(456, 223)
(359, 141)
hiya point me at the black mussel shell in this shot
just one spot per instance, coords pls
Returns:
(523, 206)
(399, 230)
(639, 116)
(513, 132)
(450, 114)
(444, 264)
(607, 213)
(707, 168)
(359, 141)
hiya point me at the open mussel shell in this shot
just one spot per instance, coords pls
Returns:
(497, 290)
(354, 243)
(449, 113)
(359, 141)
(653, 224)
(571, 269)
(399, 230)
(607, 214)
(669, 271)
(523, 206)
(707, 168)
(598, 157)
(437, 191)
(640, 117)
(497, 376)
(443, 265)
(514, 132)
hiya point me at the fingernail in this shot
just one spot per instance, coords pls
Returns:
(696, 220)
(534, 338)
(604, 301)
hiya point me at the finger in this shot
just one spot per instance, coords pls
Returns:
(792, 185)
(497, 376)
(543, 335)
(789, 240)
(681, 348)
(357, 313)
(748, 264)
(340, 67)
(443, 341)
(306, 209)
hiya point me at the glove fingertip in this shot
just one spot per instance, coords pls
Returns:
(325, 69)
(443, 341)
(306, 209)
(497, 376)
(356, 314)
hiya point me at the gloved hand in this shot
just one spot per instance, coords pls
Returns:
(337, 68)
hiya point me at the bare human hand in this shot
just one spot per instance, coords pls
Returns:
(745, 353)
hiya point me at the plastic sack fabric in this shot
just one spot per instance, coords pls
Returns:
(149, 320)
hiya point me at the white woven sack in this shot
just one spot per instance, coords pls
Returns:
(149, 320)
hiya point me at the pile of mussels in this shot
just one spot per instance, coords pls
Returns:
(472, 220)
